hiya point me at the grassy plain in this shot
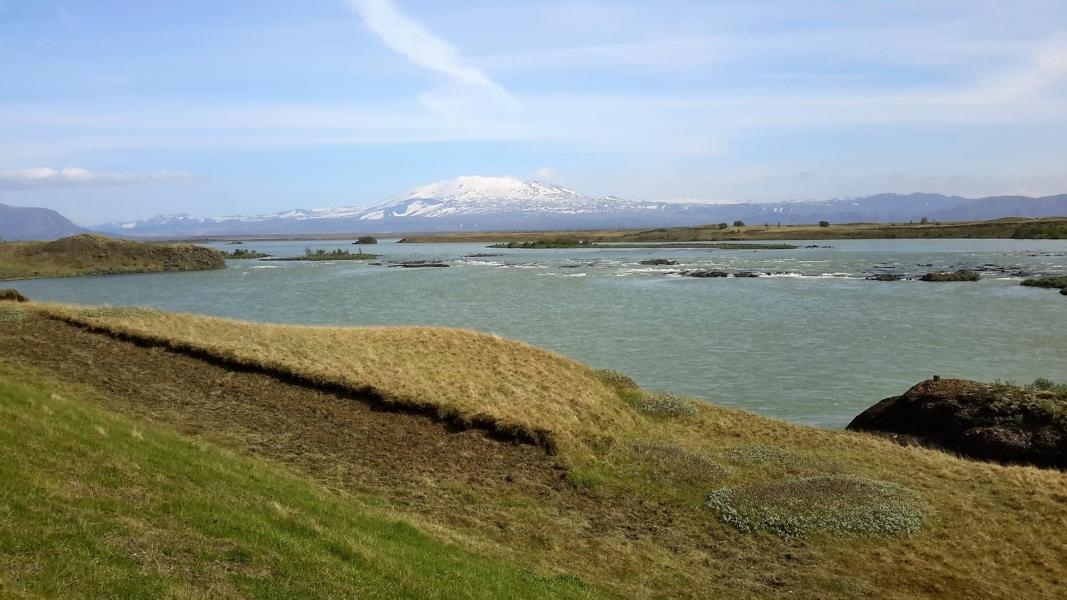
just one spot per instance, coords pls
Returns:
(1019, 228)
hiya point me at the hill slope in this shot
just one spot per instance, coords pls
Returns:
(98, 505)
(90, 254)
(27, 223)
(653, 496)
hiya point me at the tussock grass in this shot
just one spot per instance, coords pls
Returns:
(754, 454)
(664, 404)
(10, 311)
(95, 505)
(674, 462)
(459, 375)
(616, 380)
(836, 504)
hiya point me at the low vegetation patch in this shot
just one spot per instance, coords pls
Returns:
(824, 504)
(670, 461)
(1050, 281)
(10, 311)
(961, 275)
(615, 379)
(664, 404)
(760, 455)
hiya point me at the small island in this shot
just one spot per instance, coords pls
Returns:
(242, 254)
(1055, 282)
(92, 254)
(320, 254)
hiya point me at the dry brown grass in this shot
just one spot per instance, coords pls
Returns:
(460, 375)
(987, 530)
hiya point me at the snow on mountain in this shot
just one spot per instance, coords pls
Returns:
(473, 195)
(475, 203)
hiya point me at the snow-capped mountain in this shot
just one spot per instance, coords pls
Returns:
(501, 203)
(478, 196)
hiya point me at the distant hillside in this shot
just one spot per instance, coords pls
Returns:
(90, 254)
(28, 223)
(472, 204)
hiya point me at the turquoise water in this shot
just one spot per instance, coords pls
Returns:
(815, 343)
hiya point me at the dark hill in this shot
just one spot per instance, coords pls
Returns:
(29, 223)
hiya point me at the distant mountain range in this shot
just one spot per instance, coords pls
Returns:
(25, 223)
(501, 203)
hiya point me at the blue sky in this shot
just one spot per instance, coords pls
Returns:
(121, 110)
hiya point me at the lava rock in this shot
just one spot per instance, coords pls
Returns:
(996, 422)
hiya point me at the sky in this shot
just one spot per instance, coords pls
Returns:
(118, 110)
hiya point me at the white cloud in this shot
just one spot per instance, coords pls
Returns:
(410, 38)
(544, 174)
(46, 177)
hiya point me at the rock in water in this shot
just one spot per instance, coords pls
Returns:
(995, 422)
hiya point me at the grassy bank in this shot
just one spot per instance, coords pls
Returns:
(1014, 228)
(96, 505)
(89, 254)
(656, 496)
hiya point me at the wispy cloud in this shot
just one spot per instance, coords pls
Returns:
(39, 177)
(410, 38)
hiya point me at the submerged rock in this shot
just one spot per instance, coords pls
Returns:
(418, 264)
(705, 273)
(997, 422)
(659, 261)
(884, 277)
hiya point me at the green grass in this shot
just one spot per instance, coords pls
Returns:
(95, 505)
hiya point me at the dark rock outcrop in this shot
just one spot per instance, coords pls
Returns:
(705, 273)
(884, 277)
(659, 261)
(961, 275)
(995, 422)
(12, 295)
(419, 264)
